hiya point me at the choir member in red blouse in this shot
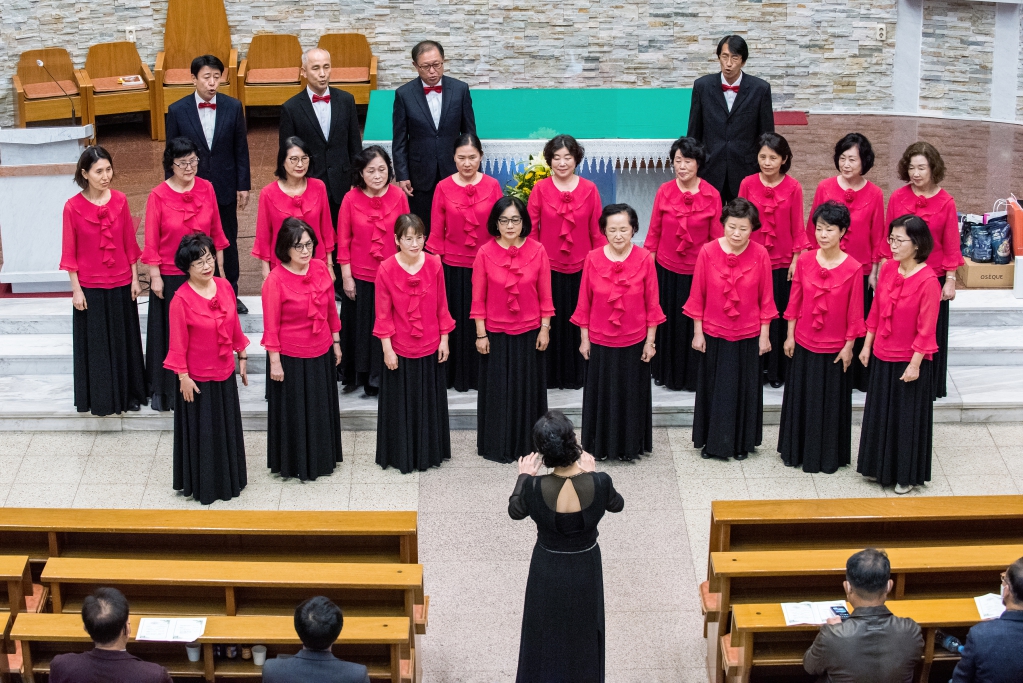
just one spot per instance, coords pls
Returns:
(732, 306)
(898, 417)
(618, 313)
(684, 218)
(413, 324)
(364, 227)
(825, 317)
(512, 308)
(100, 255)
(461, 205)
(209, 448)
(779, 200)
(293, 195)
(179, 206)
(923, 169)
(564, 210)
(301, 333)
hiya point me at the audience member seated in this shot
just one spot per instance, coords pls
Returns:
(992, 653)
(872, 644)
(318, 623)
(105, 614)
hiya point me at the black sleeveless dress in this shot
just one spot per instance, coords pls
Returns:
(563, 621)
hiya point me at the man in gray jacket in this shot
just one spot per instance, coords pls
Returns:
(872, 645)
(318, 623)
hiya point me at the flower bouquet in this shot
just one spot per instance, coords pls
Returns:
(536, 169)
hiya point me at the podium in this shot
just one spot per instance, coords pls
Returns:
(37, 168)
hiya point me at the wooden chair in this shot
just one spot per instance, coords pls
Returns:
(116, 81)
(37, 97)
(270, 74)
(194, 28)
(353, 66)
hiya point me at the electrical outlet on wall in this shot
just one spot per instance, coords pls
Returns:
(881, 32)
(129, 34)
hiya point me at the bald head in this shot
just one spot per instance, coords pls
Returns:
(316, 69)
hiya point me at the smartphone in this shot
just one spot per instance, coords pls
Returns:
(840, 612)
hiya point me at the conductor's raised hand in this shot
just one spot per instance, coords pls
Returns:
(587, 463)
(530, 464)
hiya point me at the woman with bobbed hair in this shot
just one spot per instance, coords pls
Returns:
(684, 218)
(563, 619)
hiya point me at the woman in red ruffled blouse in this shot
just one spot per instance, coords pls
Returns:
(293, 195)
(365, 226)
(618, 313)
(461, 205)
(854, 157)
(301, 333)
(898, 416)
(732, 306)
(923, 169)
(181, 205)
(564, 210)
(825, 317)
(100, 255)
(512, 308)
(205, 332)
(779, 199)
(684, 218)
(413, 324)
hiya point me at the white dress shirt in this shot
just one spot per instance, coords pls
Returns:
(208, 119)
(730, 95)
(434, 102)
(322, 111)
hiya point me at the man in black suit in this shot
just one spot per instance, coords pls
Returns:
(429, 113)
(105, 615)
(318, 623)
(728, 113)
(216, 124)
(993, 652)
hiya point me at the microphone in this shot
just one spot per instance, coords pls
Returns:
(39, 63)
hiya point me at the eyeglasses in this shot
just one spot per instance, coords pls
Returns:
(433, 66)
(302, 247)
(298, 160)
(1003, 578)
(897, 241)
(505, 222)
(412, 239)
(187, 163)
(731, 58)
(207, 261)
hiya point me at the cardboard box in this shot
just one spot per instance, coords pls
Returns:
(986, 275)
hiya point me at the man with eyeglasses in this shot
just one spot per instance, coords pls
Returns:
(430, 112)
(728, 113)
(994, 649)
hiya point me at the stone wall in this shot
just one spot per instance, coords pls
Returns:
(956, 60)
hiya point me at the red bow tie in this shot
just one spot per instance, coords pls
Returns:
(429, 89)
(207, 105)
(725, 88)
(321, 98)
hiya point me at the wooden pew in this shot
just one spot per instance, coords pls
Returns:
(373, 641)
(15, 582)
(5, 649)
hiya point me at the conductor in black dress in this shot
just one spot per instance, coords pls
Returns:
(729, 111)
(216, 124)
(430, 112)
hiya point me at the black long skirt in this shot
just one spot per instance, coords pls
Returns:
(463, 365)
(110, 373)
(413, 431)
(617, 404)
(775, 362)
(563, 618)
(512, 396)
(303, 433)
(816, 413)
(362, 357)
(209, 449)
(940, 361)
(676, 365)
(860, 374)
(729, 414)
(566, 367)
(162, 383)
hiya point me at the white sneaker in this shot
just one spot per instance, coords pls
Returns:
(900, 489)
(869, 478)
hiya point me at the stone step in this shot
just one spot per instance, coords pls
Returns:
(985, 346)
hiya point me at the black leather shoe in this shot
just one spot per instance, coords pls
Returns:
(741, 456)
(704, 454)
(349, 388)
(776, 383)
(242, 308)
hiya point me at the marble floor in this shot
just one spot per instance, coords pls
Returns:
(476, 558)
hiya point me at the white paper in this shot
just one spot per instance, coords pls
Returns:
(990, 606)
(809, 612)
(185, 630)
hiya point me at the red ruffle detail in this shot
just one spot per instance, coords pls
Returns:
(414, 313)
(849, 196)
(379, 237)
(820, 301)
(106, 236)
(619, 286)
(567, 213)
(731, 278)
(511, 286)
(767, 211)
(315, 307)
(888, 310)
(682, 213)
(224, 337)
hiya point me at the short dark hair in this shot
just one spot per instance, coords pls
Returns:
(918, 232)
(466, 139)
(736, 45)
(105, 614)
(90, 156)
(177, 148)
(691, 148)
(862, 145)
(868, 572)
(361, 160)
(425, 46)
(833, 213)
(741, 208)
(191, 249)
(318, 622)
(407, 221)
(927, 151)
(779, 145)
(559, 142)
(499, 208)
(554, 439)
(291, 232)
(211, 61)
(615, 209)
(282, 154)
(1014, 577)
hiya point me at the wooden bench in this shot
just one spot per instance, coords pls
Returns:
(5, 624)
(373, 641)
(15, 582)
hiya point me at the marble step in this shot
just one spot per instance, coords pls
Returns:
(985, 346)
